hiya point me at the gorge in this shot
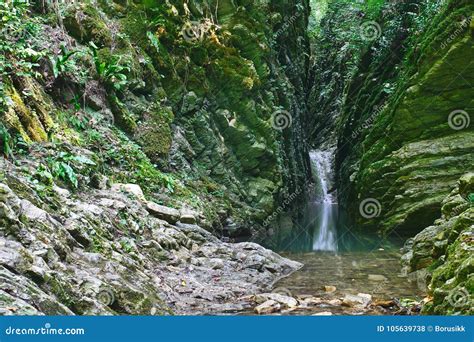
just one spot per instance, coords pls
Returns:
(151, 148)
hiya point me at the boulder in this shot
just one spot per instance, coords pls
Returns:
(130, 189)
(167, 214)
(267, 307)
(311, 301)
(361, 299)
(285, 301)
(188, 219)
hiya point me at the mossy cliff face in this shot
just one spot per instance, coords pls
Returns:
(204, 82)
(403, 118)
(406, 99)
(442, 254)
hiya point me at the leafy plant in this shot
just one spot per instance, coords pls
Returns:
(64, 171)
(76, 102)
(62, 167)
(5, 142)
(110, 72)
(15, 31)
(62, 62)
(43, 175)
(17, 55)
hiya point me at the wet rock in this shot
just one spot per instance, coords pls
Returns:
(385, 303)
(168, 214)
(310, 301)
(285, 301)
(329, 288)
(439, 258)
(267, 307)
(361, 299)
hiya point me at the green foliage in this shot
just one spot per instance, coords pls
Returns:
(62, 166)
(62, 63)
(154, 41)
(43, 175)
(111, 73)
(5, 141)
(135, 165)
(64, 171)
(75, 119)
(126, 245)
(17, 54)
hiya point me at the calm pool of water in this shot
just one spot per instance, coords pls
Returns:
(376, 272)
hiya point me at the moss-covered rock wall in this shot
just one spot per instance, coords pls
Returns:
(399, 94)
(197, 87)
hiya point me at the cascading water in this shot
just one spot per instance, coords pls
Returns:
(324, 206)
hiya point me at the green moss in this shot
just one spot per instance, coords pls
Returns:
(154, 133)
(24, 120)
(85, 23)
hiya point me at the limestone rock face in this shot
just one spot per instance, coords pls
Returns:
(101, 252)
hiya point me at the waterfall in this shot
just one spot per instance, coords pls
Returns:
(325, 206)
